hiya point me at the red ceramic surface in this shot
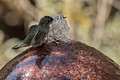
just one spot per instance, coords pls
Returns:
(64, 61)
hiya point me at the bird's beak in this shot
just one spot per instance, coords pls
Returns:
(64, 17)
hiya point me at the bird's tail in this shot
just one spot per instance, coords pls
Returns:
(19, 45)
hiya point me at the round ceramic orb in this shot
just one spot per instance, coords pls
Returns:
(64, 61)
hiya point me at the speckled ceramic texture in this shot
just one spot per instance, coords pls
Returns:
(64, 61)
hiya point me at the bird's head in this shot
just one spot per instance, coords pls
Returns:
(46, 20)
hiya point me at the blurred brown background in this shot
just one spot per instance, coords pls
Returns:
(94, 22)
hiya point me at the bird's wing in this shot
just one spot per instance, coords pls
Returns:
(37, 34)
(30, 39)
(32, 34)
(32, 28)
(33, 39)
(41, 35)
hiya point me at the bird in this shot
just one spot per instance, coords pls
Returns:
(37, 33)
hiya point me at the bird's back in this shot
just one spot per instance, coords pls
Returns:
(32, 34)
(42, 34)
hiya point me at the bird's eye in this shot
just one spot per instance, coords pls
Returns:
(47, 21)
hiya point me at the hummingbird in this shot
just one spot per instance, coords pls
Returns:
(37, 33)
